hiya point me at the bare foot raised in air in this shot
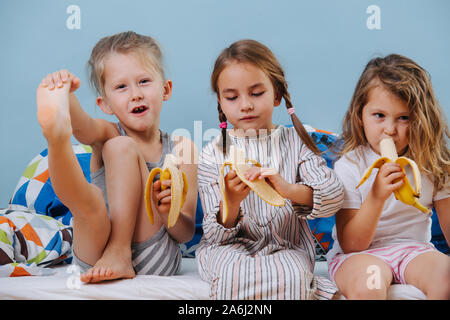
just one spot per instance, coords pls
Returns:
(53, 112)
(114, 264)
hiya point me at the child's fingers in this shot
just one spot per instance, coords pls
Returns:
(389, 168)
(244, 188)
(164, 205)
(232, 183)
(165, 200)
(397, 184)
(48, 82)
(252, 173)
(167, 183)
(232, 179)
(56, 76)
(231, 175)
(76, 83)
(267, 172)
(394, 176)
(43, 84)
(163, 194)
(157, 186)
(64, 75)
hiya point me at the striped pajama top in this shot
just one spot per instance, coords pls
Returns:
(270, 253)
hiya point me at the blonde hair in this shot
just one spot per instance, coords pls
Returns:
(257, 54)
(428, 131)
(146, 48)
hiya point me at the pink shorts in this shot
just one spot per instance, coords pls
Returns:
(396, 256)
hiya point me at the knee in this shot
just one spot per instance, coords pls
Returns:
(360, 291)
(439, 287)
(91, 208)
(120, 145)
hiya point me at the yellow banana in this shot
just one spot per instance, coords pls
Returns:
(179, 187)
(260, 187)
(405, 193)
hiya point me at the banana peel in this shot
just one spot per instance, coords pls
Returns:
(179, 187)
(240, 164)
(406, 193)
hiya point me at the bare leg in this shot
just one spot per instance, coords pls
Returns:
(430, 272)
(353, 278)
(91, 224)
(126, 176)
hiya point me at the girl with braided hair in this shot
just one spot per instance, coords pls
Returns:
(261, 251)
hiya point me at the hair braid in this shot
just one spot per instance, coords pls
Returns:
(301, 131)
(223, 118)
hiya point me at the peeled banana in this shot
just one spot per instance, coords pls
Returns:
(179, 187)
(240, 164)
(405, 193)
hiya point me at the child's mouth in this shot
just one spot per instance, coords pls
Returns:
(139, 109)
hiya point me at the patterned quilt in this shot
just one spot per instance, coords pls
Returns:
(30, 241)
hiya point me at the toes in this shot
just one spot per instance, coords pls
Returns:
(101, 273)
(97, 274)
(87, 276)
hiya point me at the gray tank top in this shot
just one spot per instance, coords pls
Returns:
(98, 177)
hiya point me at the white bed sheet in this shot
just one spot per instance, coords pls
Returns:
(187, 285)
(63, 285)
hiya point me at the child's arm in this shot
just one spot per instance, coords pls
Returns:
(297, 193)
(236, 191)
(356, 227)
(184, 228)
(86, 129)
(319, 191)
(443, 212)
(211, 198)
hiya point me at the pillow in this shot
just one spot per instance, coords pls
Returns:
(437, 236)
(35, 192)
(322, 228)
(34, 189)
(188, 248)
(29, 242)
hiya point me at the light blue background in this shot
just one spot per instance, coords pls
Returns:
(322, 44)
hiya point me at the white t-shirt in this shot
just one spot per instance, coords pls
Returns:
(398, 222)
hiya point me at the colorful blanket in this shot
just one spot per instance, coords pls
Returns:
(29, 242)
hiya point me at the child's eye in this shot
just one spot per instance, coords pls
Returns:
(378, 115)
(145, 80)
(120, 86)
(231, 98)
(257, 94)
(404, 118)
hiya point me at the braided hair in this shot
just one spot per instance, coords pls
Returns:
(254, 52)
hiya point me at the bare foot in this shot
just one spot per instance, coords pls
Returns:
(53, 112)
(114, 264)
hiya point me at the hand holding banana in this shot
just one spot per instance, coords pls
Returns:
(178, 188)
(405, 193)
(240, 164)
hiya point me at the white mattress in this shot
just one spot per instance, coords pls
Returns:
(187, 285)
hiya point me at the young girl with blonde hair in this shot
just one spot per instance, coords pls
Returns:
(113, 236)
(261, 251)
(394, 99)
